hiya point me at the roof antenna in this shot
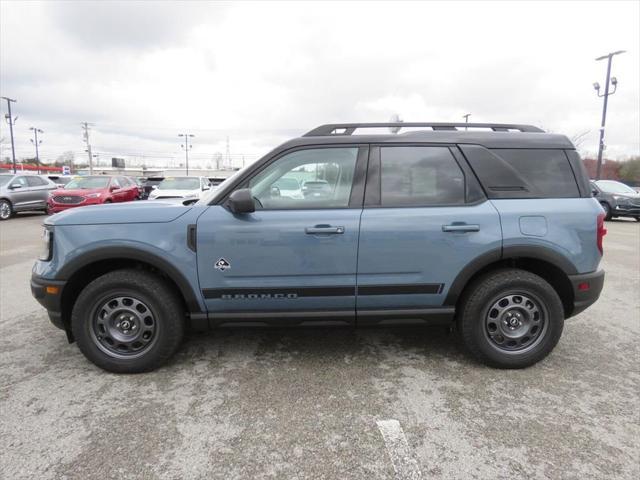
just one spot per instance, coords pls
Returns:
(395, 118)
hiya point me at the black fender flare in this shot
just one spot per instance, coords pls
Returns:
(510, 252)
(130, 253)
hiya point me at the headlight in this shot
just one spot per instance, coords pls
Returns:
(47, 245)
(93, 195)
(620, 199)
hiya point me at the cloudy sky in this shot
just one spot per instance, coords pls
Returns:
(259, 73)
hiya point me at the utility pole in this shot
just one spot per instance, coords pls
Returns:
(186, 146)
(36, 142)
(613, 81)
(11, 120)
(85, 136)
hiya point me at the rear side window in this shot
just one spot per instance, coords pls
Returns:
(36, 181)
(420, 176)
(547, 171)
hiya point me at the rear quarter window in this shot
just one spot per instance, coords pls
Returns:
(547, 171)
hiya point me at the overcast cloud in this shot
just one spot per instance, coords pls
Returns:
(260, 73)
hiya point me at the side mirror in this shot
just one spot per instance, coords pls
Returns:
(206, 187)
(241, 201)
(113, 188)
(594, 192)
(15, 185)
(275, 191)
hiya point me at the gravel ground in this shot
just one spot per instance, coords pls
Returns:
(322, 403)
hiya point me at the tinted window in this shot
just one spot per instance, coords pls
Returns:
(611, 186)
(36, 181)
(323, 176)
(420, 176)
(547, 171)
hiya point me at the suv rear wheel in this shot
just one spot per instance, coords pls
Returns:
(510, 318)
(128, 321)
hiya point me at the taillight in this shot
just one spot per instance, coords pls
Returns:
(600, 231)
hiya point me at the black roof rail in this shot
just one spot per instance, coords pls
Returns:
(349, 128)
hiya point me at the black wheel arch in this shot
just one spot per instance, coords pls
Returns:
(542, 261)
(85, 268)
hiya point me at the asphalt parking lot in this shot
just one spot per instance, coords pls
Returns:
(322, 403)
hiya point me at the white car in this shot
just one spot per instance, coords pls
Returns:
(180, 187)
(287, 187)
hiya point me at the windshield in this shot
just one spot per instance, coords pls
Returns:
(87, 183)
(287, 184)
(4, 179)
(611, 186)
(180, 183)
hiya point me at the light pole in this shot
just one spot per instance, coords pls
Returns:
(36, 142)
(186, 146)
(466, 119)
(613, 81)
(10, 119)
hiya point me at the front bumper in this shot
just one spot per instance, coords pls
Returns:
(55, 207)
(50, 298)
(586, 289)
(625, 210)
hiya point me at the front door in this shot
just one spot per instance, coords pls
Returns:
(295, 257)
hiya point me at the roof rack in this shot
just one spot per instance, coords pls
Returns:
(349, 128)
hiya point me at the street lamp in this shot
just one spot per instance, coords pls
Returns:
(36, 142)
(596, 86)
(186, 146)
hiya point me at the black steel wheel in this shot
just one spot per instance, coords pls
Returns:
(128, 321)
(510, 318)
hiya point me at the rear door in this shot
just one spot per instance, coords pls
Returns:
(295, 257)
(425, 218)
(39, 189)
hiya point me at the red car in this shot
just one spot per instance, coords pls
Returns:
(92, 190)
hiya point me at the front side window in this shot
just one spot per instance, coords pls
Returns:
(420, 176)
(314, 178)
(21, 181)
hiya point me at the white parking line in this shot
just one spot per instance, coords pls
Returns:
(404, 464)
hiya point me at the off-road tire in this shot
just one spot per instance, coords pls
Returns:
(146, 288)
(474, 308)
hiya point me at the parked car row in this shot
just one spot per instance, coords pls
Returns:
(55, 193)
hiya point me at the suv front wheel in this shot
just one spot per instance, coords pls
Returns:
(128, 321)
(510, 318)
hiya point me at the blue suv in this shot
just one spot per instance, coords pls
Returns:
(490, 228)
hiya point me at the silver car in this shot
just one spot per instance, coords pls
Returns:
(20, 193)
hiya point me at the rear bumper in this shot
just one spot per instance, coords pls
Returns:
(51, 301)
(586, 289)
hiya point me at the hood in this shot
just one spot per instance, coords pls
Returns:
(128, 212)
(175, 193)
(78, 191)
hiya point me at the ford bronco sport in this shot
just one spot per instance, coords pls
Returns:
(490, 228)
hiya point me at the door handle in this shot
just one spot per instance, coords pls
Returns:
(460, 227)
(324, 230)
